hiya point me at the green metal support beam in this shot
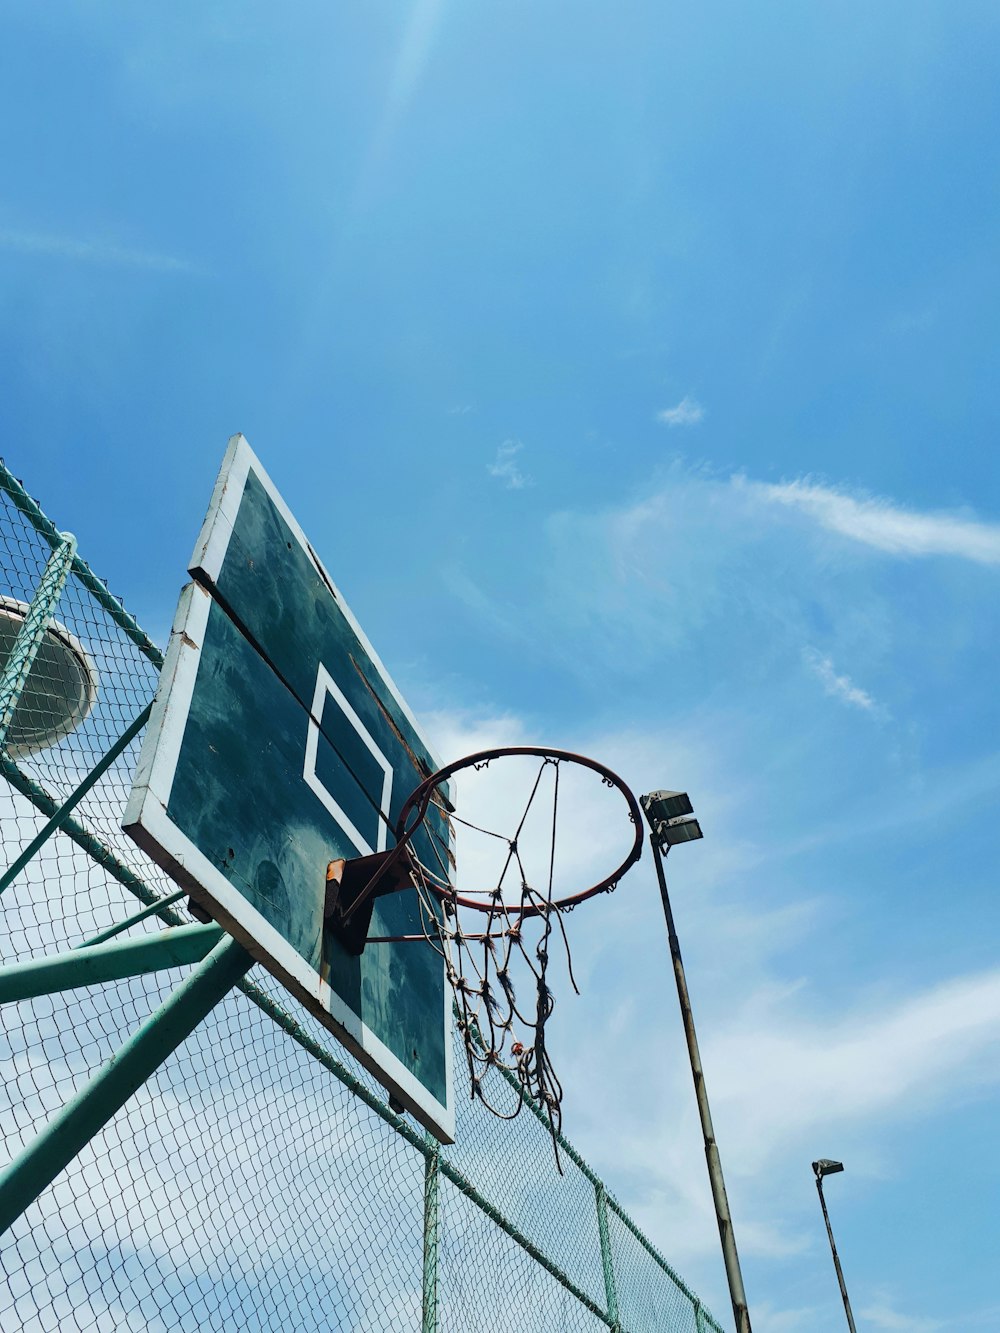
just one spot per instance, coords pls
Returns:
(173, 947)
(62, 814)
(154, 910)
(98, 851)
(86, 1114)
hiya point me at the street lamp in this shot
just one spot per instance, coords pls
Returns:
(671, 822)
(824, 1167)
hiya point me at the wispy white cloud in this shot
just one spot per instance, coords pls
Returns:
(781, 1084)
(90, 252)
(799, 1077)
(801, 1320)
(506, 468)
(838, 686)
(461, 410)
(688, 412)
(880, 523)
(881, 1313)
(500, 616)
(702, 555)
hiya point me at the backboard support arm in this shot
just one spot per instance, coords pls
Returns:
(352, 887)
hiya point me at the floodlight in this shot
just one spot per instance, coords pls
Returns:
(824, 1167)
(680, 830)
(61, 687)
(665, 805)
(670, 818)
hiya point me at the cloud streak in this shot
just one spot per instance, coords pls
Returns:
(688, 412)
(102, 253)
(791, 1076)
(505, 466)
(881, 524)
(838, 686)
(882, 1313)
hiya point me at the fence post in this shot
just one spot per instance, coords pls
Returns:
(33, 627)
(432, 1180)
(607, 1263)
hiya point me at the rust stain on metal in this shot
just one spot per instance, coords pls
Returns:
(417, 763)
(422, 768)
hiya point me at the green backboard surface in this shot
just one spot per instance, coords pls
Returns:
(278, 743)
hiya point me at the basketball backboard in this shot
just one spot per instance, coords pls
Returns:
(277, 744)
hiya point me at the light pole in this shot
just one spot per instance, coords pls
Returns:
(671, 821)
(824, 1167)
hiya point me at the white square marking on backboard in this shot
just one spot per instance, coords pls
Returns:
(327, 686)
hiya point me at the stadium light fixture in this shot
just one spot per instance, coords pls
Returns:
(671, 818)
(824, 1167)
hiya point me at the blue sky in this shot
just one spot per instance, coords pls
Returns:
(632, 367)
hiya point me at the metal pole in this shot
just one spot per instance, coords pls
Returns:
(607, 1262)
(836, 1257)
(86, 1114)
(729, 1255)
(432, 1180)
(131, 921)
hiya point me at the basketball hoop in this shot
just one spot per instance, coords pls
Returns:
(495, 933)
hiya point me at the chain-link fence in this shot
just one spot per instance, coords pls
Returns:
(258, 1180)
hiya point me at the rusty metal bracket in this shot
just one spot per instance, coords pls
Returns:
(352, 887)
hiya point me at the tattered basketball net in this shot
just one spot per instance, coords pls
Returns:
(491, 957)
